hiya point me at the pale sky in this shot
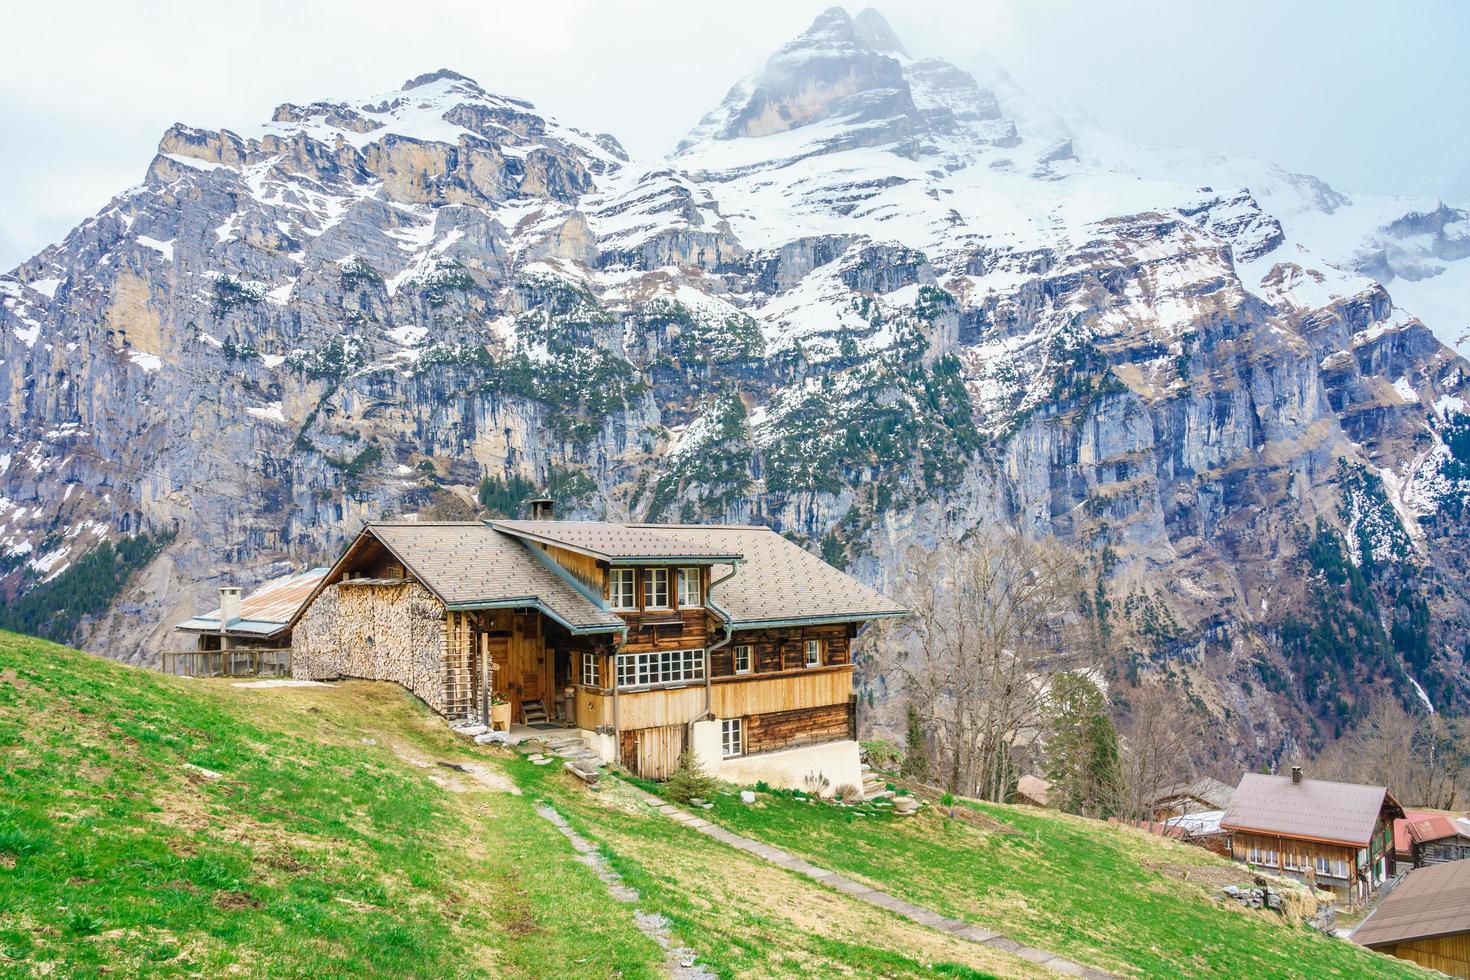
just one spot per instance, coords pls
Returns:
(1369, 96)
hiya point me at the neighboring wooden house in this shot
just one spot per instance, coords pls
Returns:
(1437, 838)
(1336, 836)
(1425, 919)
(1032, 791)
(1403, 844)
(647, 638)
(245, 635)
(1203, 795)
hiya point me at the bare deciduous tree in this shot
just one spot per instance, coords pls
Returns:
(1424, 759)
(1160, 746)
(993, 619)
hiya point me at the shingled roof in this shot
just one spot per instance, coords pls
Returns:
(620, 543)
(778, 582)
(1338, 813)
(1429, 902)
(478, 565)
(470, 565)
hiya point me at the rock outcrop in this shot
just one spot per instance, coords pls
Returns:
(870, 302)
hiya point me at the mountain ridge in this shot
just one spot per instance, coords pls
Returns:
(912, 306)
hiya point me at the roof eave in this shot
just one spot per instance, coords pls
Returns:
(756, 624)
(533, 602)
(1295, 836)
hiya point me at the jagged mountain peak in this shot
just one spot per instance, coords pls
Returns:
(874, 32)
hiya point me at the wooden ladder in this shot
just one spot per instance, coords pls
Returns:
(533, 712)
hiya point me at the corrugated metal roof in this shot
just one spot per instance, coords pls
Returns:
(1432, 901)
(617, 542)
(1316, 808)
(778, 581)
(471, 564)
(268, 609)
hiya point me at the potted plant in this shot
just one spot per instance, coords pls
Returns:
(499, 713)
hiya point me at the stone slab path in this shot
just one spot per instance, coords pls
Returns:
(679, 961)
(925, 917)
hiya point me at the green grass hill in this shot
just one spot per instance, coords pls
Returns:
(152, 825)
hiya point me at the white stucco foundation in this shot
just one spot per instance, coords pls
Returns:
(783, 769)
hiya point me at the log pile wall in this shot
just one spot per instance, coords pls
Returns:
(382, 632)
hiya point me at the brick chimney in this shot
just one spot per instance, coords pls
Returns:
(543, 509)
(1296, 774)
(229, 605)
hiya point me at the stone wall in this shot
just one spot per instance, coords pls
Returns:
(384, 632)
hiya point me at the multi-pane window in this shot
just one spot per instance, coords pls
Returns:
(813, 653)
(744, 658)
(732, 737)
(689, 587)
(656, 588)
(1264, 856)
(1332, 867)
(621, 584)
(660, 667)
(591, 670)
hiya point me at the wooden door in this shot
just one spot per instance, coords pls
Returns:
(653, 753)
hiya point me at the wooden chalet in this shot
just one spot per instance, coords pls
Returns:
(1425, 919)
(646, 639)
(1335, 836)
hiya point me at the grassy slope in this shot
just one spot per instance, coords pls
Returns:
(1107, 896)
(313, 854)
(332, 845)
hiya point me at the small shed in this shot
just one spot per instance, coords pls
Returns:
(1425, 920)
(1202, 795)
(244, 635)
(1437, 838)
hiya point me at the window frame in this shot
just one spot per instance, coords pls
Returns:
(806, 653)
(732, 727)
(591, 669)
(650, 577)
(749, 649)
(649, 669)
(682, 576)
(615, 579)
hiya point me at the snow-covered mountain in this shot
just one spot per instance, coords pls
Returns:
(869, 300)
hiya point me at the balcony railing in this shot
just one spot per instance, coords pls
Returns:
(260, 662)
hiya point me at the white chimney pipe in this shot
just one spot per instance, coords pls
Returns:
(229, 605)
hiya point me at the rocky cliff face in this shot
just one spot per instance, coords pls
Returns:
(869, 301)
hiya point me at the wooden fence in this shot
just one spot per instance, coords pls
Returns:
(268, 662)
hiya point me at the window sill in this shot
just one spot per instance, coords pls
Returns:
(670, 686)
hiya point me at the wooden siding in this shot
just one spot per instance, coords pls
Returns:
(1447, 954)
(584, 568)
(776, 650)
(1305, 853)
(802, 726)
(730, 698)
(804, 688)
(668, 629)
